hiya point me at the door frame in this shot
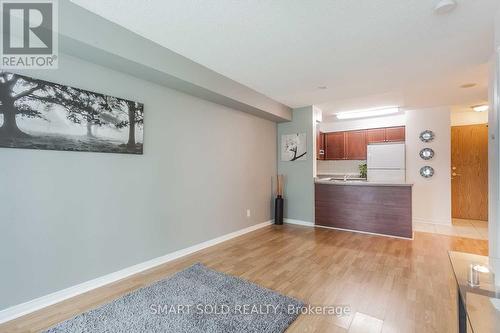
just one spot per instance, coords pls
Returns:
(493, 157)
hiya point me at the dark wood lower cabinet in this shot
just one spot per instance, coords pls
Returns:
(377, 209)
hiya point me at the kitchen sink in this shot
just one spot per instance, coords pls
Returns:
(342, 180)
(349, 180)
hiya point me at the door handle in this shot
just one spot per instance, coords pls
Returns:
(455, 174)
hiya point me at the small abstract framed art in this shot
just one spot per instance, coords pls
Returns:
(293, 147)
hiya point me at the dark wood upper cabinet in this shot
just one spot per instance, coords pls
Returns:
(351, 145)
(335, 146)
(394, 134)
(320, 145)
(355, 145)
(375, 135)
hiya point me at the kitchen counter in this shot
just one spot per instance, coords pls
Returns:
(337, 175)
(355, 182)
(384, 209)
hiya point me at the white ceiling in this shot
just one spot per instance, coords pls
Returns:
(368, 53)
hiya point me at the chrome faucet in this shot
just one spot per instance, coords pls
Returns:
(346, 177)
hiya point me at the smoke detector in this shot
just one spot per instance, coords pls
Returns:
(468, 85)
(445, 6)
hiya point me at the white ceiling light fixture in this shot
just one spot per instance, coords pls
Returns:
(481, 108)
(445, 6)
(386, 110)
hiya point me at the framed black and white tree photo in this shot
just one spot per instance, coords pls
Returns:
(293, 147)
(37, 114)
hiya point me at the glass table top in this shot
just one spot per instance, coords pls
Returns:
(481, 296)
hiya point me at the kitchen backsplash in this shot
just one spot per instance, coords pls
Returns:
(350, 167)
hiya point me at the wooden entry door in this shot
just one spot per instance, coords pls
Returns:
(469, 174)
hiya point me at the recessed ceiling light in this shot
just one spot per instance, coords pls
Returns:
(445, 6)
(468, 85)
(481, 108)
(368, 112)
(481, 268)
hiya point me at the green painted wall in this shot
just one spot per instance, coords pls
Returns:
(299, 181)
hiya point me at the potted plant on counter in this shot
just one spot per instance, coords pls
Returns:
(363, 170)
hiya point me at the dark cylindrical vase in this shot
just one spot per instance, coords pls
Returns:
(278, 210)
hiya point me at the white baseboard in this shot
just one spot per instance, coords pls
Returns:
(365, 232)
(311, 224)
(299, 222)
(61, 295)
(429, 221)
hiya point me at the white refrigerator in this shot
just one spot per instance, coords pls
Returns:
(386, 162)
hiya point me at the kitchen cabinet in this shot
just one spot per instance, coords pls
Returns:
(335, 146)
(380, 209)
(355, 145)
(375, 135)
(395, 134)
(351, 145)
(320, 145)
(389, 134)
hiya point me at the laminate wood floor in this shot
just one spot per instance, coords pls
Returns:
(391, 285)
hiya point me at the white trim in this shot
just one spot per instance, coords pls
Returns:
(61, 295)
(494, 159)
(365, 232)
(311, 224)
(429, 221)
(299, 222)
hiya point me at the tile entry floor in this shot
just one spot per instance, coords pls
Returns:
(461, 228)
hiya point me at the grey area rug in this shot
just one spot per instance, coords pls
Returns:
(196, 299)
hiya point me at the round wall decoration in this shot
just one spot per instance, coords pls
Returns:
(427, 171)
(427, 136)
(427, 153)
